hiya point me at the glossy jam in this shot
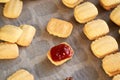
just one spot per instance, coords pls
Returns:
(61, 52)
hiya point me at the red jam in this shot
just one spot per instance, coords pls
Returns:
(61, 52)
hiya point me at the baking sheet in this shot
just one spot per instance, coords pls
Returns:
(83, 66)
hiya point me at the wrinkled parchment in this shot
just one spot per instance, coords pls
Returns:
(83, 66)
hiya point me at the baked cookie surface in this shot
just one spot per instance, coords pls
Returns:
(21, 75)
(8, 51)
(111, 64)
(108, 4)
(10, 33)
(81, 12)
(115, 14)
(104, 46)
(95, 29)
(61, 53)
(59, 28)
(27, 36)
(71, 3)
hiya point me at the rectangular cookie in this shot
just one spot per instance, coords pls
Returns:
(104, 46)
(108, 4)
(60, 28)
(27, 35)
(111, 64)
(21, 75)
(71, 3)
(4, 1)
(10, 33)
(13, 8)
(8, 51)
(95, 29)
(117, 77)
(85, 12)
(115, 15)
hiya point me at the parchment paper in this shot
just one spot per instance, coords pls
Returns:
(83, 66)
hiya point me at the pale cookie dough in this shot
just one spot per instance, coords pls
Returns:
(104, 46)
(115, 15)
(10, 33)
(59, 28)
(71, 3)
(111, 64)
(21, 75)
(85, 12)
(27, 35)
(108, 4)
(95, 29)
(13, 8)
(8, 51)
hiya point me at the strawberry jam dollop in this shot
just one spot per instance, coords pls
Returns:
(61, 52)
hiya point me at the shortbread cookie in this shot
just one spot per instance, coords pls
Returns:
(95, 29)
(119, 31)
(13, 9)
(71, 3)
(104, 46)
(108, 4)
(8, 51)
(59, 54)
(27, 35)
(21, 75)
(10, 33)
(111, 64)
(59, 28)
(4, 1)
(115, 15)
(85, 12)
(117, 77)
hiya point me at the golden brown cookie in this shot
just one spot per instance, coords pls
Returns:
(108, 4)
(21, 75)
(13, 8)
(111, 64)
(61, 53)
(27, 35)
(4, 1)
(115, 15)
(85, 12)
(10, 33)
(59, 28)
(8, 51)
(71, 3)
(104, 46)
(95, 29)
(117, 77)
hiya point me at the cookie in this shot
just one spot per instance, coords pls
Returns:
(111, 64)
(4, 1)
(95, 29)
(115, 14)
(85, 12)
(104, 46)
(109, 4)
(10, 33)
(117, 77)
(27, 35)
(21, 75)
(13, 8)
(71, 3)
(8, 51)
(59, 28)
(61, 53)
